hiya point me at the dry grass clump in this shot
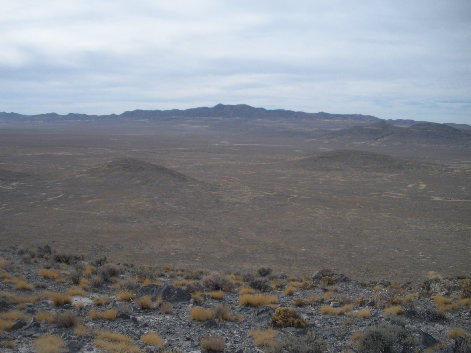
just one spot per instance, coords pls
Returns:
(246, 290)
(393, 310)
(444, 303)
(49, 344)
(49, 273)
(264, 338)
(197, 297)
(20, 284)
(60, 299)
(456, 332)
(212, 343)
(101, 301)
(217, 294)
(303, 302)
(46, 316)
(153, 339)
(290, 290)
(84, 283)
(222, 313)
(411, 297)
(201, 314)
(75, 291)
(105, 315)
(112, 342)
(288, 317)
(166, 307)
(8, 319)
(67, 319)
(144, 302)
(125, 295)
(328, 310)
(80, 330)
(328, 295)
(363, 313)
(257, 300)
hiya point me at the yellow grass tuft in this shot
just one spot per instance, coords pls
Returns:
(456, 332)
(125, 296)
(392, 310)
(201, 314)
(60, 299)
(46, 316)
(101, 301)
(22, 285)
(257, 300)
(219, 294)
(410, 297)
(264, 338)
(153, 339)
(363, 313)
(328, 295)
(84, 283)
(49, 273)
(166, 307)
(144, 302)
(112, 342)
(328, 310)
(49, 344)
(105, 315)
(289, 290)
(75, 291)
(80, 330)
(246, 290)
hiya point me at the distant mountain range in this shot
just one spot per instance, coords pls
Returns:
(248, 114)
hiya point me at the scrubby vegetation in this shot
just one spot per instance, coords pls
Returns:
(107, 307)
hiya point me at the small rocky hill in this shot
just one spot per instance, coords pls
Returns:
(384, 133)
(359, 160)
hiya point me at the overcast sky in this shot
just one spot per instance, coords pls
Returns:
(392, 59)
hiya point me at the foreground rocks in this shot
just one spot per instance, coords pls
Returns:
(53, 302)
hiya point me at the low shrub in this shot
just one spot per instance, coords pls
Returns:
(217, 281)
(144, 302)
(384, 338)
(328, 310)
(105, 315)
(166, 307)
(201, 314)
(125, 296)
(112, 342)
(217, 294)
(308, 343)
(393, 310)
(257, 300)
(264, 338)
(49, 344)
(153, 339)
(101, 301)
(60, 299)
(67, 319)
(261, 284)
(264, 271)
(288, 317)
(212, 343)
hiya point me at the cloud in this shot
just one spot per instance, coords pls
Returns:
(339, 56)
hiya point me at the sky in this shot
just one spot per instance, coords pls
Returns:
(392, 59)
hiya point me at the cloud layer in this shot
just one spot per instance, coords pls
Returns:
(392, 59)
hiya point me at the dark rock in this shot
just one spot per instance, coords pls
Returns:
(462, 346)
(167, 293)
(18, 324)
(4, 305)
(123, 316)
(151, 290)
(426, 339)
(74, 346)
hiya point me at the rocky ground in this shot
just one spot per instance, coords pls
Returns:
(54, 302)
